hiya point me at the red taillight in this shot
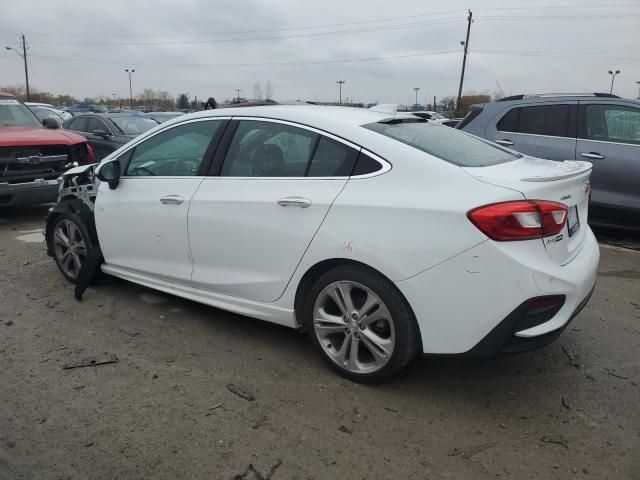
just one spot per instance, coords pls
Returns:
(520, 220)
(90, 156)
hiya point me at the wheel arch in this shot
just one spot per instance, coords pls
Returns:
(314, 272)
(75, 206)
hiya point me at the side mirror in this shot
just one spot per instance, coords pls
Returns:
(100, 133)
(110, 173)
(50, 122)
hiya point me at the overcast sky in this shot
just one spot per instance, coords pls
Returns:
(381, 48)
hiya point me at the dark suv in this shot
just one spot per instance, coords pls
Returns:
(600, 128)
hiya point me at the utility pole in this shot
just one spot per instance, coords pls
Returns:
(23, 55)
(26, 70)
(130, 89)
(416, 89)
(238, 90)
(340, 83)
(638, 83)
(464, 61)
(435, 109)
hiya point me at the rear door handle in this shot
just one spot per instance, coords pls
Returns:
(504, 141)
(172, 199)
(592, 155)
(294, 202)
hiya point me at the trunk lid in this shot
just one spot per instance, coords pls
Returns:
(537, 179)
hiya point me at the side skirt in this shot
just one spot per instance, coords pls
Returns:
(241, 306)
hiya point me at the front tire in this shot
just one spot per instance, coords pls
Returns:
(70, 244)
(361, 324)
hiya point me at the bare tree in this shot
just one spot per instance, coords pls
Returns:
(268, 90)
(257, 91)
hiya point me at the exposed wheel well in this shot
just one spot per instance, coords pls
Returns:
(319, 269)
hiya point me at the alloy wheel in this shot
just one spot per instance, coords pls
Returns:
(354, 327)
(69, 247)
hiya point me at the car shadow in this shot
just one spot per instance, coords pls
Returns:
(23, 214)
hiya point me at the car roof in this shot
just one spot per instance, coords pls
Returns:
(112, 114)
(545, 97)
(312, 115)
(7, 94)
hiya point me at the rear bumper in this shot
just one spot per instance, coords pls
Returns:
(39, 191)
(475, 297)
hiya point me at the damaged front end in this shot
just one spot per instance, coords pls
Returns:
(81, 183)
(77, 190)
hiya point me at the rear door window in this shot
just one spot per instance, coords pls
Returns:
(551, 120)
(268, 149)
(613, 123)
(446, 143)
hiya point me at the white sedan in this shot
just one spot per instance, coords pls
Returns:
(382, 235)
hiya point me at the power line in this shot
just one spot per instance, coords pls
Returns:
(278, 37)
(327, 25)
(581, 55)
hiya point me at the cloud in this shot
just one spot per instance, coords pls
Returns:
(80, 48)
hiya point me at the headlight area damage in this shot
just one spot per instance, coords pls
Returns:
(70, 229)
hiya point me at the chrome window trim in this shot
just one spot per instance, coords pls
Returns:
(386, 166)
(536, 135)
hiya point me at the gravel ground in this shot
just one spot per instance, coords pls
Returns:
(167, 409)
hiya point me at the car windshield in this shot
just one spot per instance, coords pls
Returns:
(446, 143)
(134, 125)
(15, 114)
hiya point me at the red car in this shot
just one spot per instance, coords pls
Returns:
(33, 154)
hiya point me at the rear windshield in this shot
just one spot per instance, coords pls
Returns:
(446, 143)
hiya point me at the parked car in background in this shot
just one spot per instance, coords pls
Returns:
(384, 236)
(451, 122)
(34, 153)
(600, 128)
(46, 112)
(429, 115)
(162, 117)
(106, 132)
(79, 108)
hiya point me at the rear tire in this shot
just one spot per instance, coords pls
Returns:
(361, 323)
(70, 243)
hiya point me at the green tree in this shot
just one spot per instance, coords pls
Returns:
(183, 101)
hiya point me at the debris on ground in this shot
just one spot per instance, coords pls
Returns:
(92, 361)
(344, 429)
(572, 358)
(8, 323)
(256, 474)
(617, 376)
(467, 453)
(389, 409)
(557, 439)
(131, 333)
(565, 404)
(248, 396)
(358, 417)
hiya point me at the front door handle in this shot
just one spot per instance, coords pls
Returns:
(504, 141)
(172, 199)
(592, 155)
(294, 202)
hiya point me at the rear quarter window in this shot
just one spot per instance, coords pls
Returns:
(446, 143)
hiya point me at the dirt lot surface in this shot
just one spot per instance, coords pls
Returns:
(166, 410)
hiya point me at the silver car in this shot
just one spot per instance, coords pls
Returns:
(600, 128)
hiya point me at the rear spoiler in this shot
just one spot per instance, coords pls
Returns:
(573, 169)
